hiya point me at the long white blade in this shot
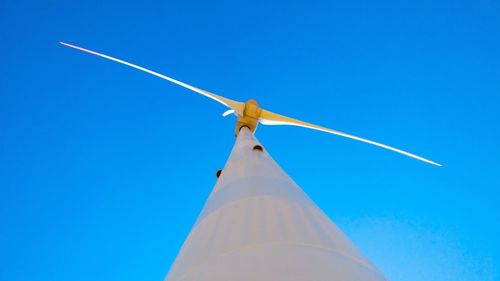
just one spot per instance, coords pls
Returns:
(237, 106)
(270, 118)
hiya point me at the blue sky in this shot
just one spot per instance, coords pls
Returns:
(104, 169)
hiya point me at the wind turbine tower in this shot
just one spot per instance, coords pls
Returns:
(258, 224)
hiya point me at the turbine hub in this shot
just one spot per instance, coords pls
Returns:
(250, 118)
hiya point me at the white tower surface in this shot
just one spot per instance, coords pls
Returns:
(258, 225)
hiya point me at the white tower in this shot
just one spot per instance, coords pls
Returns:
(258, 225)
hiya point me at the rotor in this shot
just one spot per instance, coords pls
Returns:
(249, 114)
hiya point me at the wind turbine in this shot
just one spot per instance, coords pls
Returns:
(257, 223)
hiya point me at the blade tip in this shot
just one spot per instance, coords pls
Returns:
(65, 44)
(436, 164)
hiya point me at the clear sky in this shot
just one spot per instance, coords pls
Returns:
(104, 169)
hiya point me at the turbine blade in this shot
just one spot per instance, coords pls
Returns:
(237, 106)
(270, 118)
(226, 113)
